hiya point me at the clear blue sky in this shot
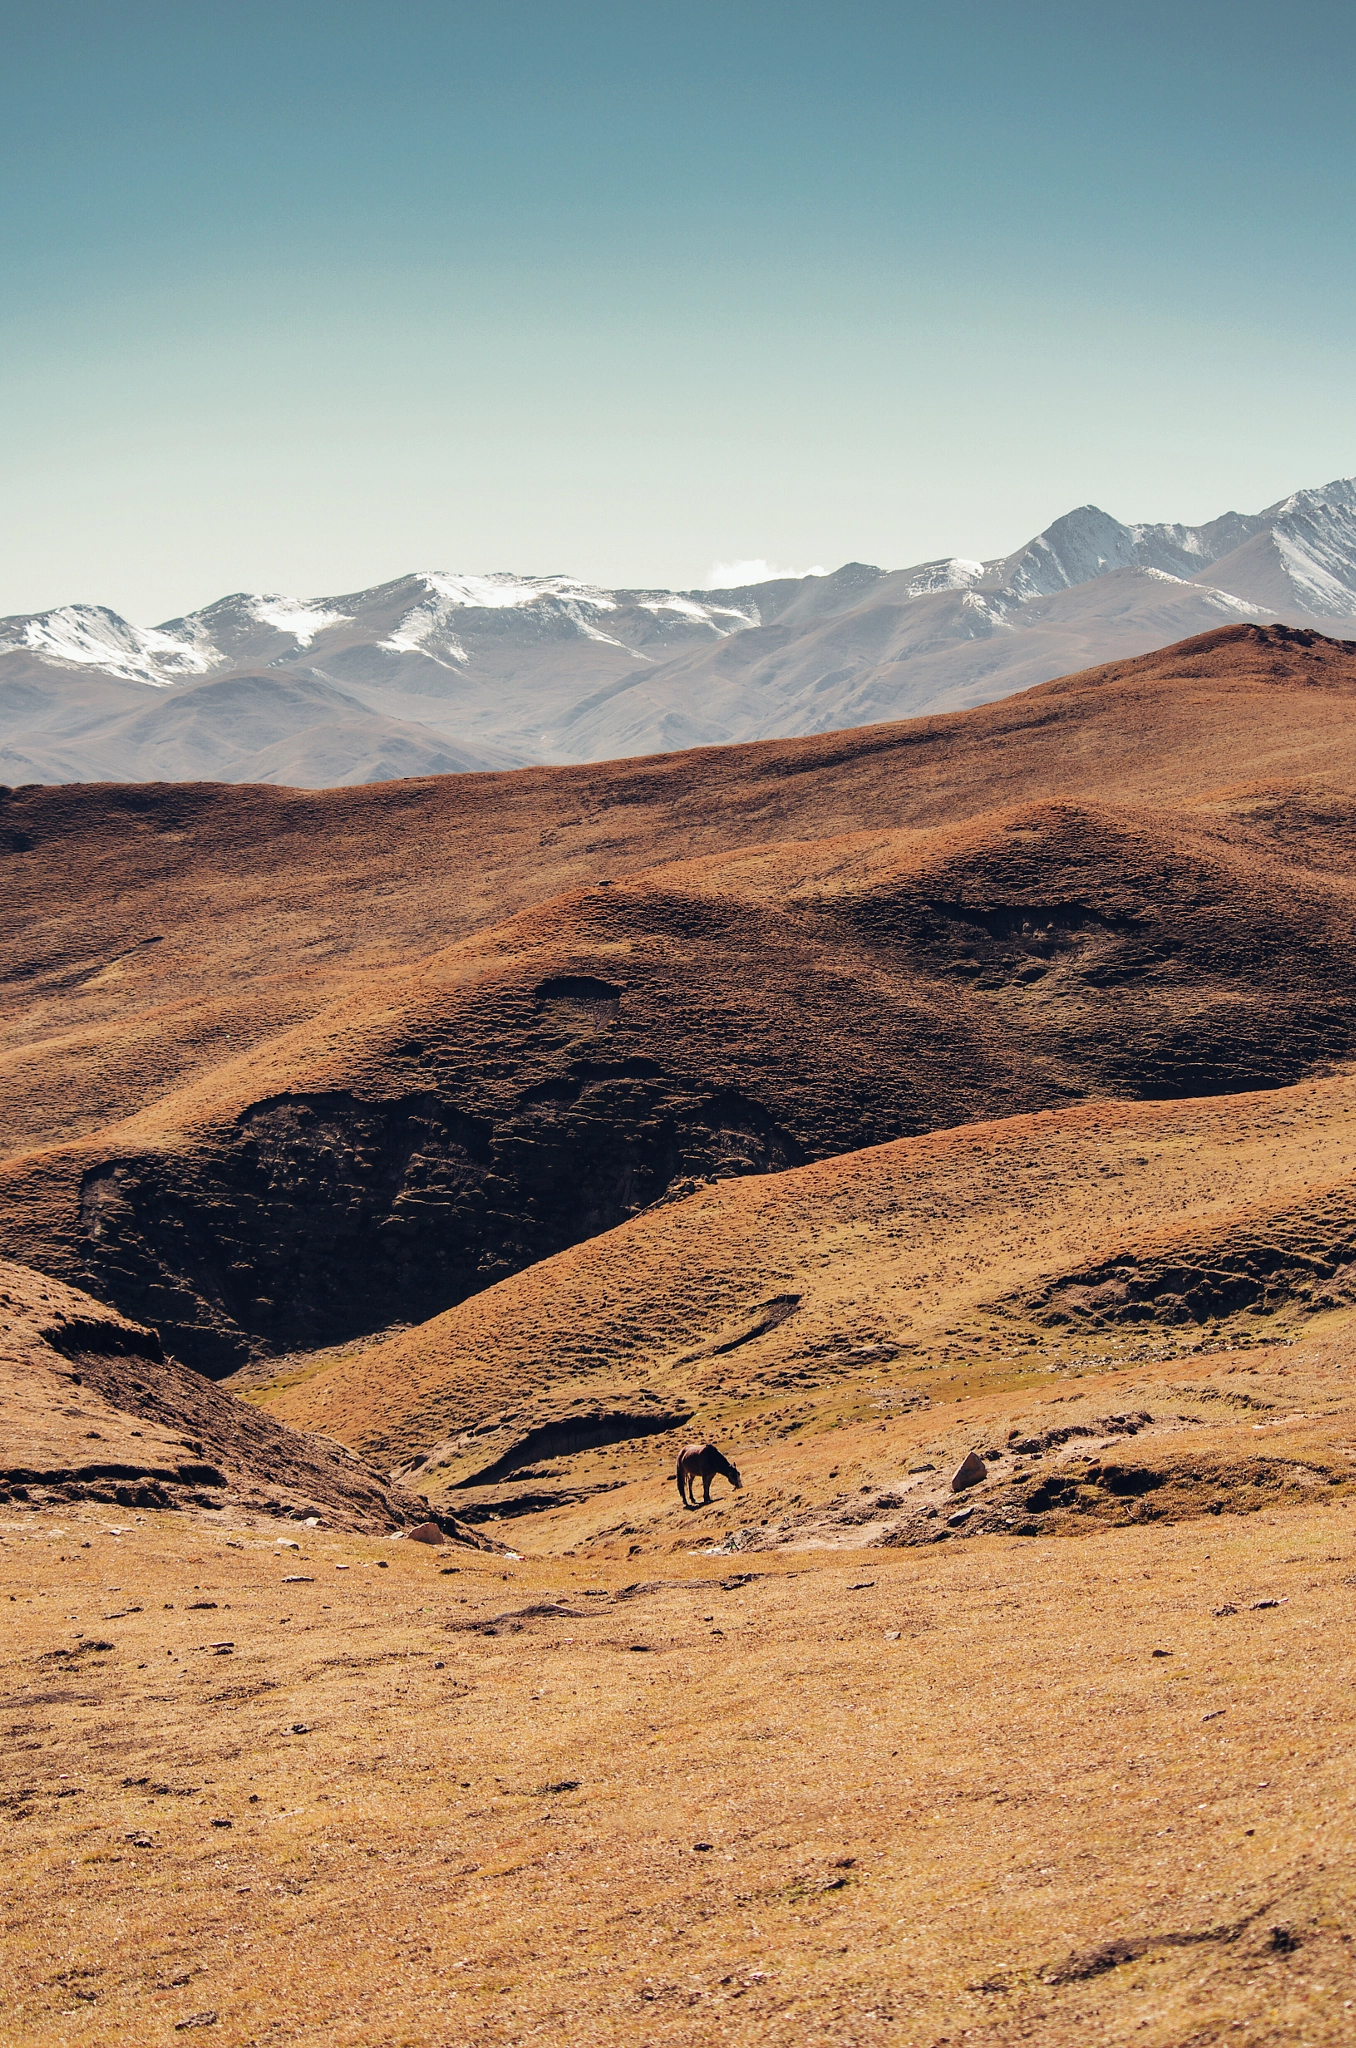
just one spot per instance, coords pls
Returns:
(299, 296)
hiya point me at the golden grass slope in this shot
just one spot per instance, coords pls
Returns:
(1059, 1239)
(451, 1120)
(991, 1793)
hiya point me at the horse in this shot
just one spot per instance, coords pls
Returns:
(702, 1461)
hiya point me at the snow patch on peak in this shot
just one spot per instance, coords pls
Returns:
(1320, 576)
(502, 590)
(577, 613)
(427, 628)
(295, 616)
(1225, 601)
(92, 636)
(1083, 544)
(953, 572)
(1338, 496)
(984, 614)
(1186, 538)
(702, 614)
(417, 628)
(1314, 533)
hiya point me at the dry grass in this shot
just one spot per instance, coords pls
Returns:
(911, 1265)
(785, 1770)
(949, 1795)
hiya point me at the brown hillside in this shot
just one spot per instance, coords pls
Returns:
(469, 1109)
(961, 1117)
(449, 1123)
(152, 932)
(1087, 1241)
(95, 1412)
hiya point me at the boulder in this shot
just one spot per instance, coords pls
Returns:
(969, 1472)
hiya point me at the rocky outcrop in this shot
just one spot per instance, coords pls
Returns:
(94, 1410)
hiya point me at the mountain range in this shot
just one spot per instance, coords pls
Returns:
(437, 673)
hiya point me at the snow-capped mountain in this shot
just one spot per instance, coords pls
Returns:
(438, 671)
(90, 636)
(429, 616)
(1313, 533)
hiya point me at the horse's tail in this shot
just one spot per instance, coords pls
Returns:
(678, 1476)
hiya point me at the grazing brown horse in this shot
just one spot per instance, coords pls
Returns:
(702, 1461)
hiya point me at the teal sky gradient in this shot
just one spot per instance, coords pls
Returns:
(299, 297)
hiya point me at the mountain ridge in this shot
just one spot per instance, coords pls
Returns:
(438, 672)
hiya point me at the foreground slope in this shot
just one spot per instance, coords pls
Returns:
(999, 1791)
(905, 946)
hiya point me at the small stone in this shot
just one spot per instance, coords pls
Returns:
(892, 1635)
(969, 1472)
(426, 1532)
(301, 1728)
(1162, 1653)
(196, 2019)
(702, 1847)
(1266, 1603)
(223, 1823)
(961, 1515)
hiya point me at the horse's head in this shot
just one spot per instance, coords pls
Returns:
(732, 1474)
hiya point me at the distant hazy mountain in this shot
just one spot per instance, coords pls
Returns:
(438, 672)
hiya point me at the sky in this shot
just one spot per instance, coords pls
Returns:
(300, 297)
